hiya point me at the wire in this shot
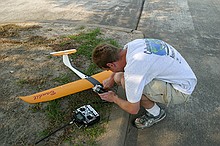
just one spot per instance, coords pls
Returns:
(54, 132)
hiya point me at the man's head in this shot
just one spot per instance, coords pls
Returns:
(109, 57)
(105, 53)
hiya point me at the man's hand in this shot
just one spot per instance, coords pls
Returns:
(131, 108)
(109, 96)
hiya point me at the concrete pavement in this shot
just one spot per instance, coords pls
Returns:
(124, 13)
(191, 26)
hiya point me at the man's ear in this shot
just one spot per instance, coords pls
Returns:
(110, 65)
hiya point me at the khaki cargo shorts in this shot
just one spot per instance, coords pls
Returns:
(163, 92)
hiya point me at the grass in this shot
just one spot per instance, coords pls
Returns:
(59, 111)
(86, 42)
(62, 79)
(54, 112)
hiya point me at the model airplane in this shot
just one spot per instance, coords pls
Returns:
(86, 82)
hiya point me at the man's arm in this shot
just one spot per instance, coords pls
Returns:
(131, 108)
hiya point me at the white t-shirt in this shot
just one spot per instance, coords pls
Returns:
(149, 59)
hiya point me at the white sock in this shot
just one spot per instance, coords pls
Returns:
(155, 110)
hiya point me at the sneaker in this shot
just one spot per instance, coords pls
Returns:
(148, 120)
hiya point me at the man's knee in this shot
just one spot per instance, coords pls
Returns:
(119, 79)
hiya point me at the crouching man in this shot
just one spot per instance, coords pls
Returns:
(151, 71)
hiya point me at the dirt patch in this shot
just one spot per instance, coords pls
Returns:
(27, 68)
(13, 30)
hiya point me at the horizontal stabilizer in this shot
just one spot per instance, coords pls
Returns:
(66, 52)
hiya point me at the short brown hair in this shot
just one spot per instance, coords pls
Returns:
(105, 53)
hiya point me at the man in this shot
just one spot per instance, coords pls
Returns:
(151, 71)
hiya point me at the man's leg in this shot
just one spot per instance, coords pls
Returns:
(152, 115)
(146, 103)
(157, 93)
(153, 112)
(119, 79)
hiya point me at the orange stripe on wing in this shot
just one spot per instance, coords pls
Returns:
(66, 89)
